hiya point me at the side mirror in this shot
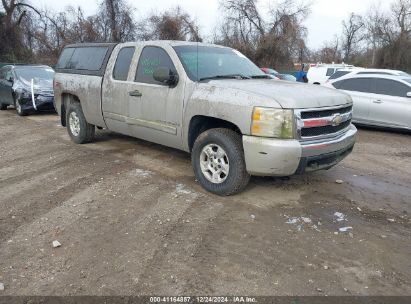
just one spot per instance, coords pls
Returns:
(166, 76)
(409, 94)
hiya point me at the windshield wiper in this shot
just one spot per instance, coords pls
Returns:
(233, 76)
(260, 77)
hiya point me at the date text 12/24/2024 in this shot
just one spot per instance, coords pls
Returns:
(203, 299)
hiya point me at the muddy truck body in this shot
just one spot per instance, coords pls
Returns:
(208, 100)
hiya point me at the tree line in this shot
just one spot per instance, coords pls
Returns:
(274, 38)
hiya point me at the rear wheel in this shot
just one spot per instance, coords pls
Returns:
(79, 129)
(218, 162)
(3, 107)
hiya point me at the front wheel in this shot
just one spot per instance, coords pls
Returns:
(79, 129)
(19, 109)
(218, 162)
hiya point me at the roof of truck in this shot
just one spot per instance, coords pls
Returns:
(157, 42)
(64, 67)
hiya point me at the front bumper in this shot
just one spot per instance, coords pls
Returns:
(42, 103)
(277, 157)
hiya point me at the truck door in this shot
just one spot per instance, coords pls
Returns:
(117, 83)
(155, 109)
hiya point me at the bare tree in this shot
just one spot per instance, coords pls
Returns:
(245, 16)
(375, 20)
(402, 15)
(173, 24)
(116, 17)
(352, 35)
(279, 40)
(15, 11)
(330, 52)
(395, 35)
(12, 46)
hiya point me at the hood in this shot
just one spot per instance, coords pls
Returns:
(289, 95)
(40, 85)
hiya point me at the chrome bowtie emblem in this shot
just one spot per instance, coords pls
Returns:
(337, 120)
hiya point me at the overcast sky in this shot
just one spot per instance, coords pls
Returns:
(323, 23)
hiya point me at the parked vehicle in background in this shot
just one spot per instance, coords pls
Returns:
(319, 73)
(278, 75)
(273, 73)
(205, 99)
(27, 87)
(379, 100)
(288, 77)
(363, 71)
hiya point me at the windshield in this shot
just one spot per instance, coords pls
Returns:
(210, 62)
(31, 73)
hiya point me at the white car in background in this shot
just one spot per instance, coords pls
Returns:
(362, 71)
(379, 100)
(319, 74)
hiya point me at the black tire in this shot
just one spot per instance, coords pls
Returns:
(19, 110)
(86, 132)
(231, 142)
(3, 107)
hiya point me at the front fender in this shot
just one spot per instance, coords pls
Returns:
(232, 105)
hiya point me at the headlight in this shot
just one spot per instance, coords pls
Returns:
(276, 123)
(25, 93)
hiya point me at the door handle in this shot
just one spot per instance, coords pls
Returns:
(377, 101)
(135, 93)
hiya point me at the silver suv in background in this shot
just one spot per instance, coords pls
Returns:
(379, 100)
(208, 100)
(362, 71)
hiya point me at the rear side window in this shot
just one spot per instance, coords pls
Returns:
(330, 72)
(83, 58)
(365, 85)
(65, 58)
(151, 58)
(391, 88)
(123, 63)
(339, 74)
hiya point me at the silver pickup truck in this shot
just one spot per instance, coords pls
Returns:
(205, 99)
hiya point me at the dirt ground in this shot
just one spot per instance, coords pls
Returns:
(131, 220)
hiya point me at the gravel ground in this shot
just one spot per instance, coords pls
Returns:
(131, 220)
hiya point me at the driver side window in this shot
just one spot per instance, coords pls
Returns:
(152, 57)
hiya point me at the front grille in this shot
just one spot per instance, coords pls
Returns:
(318, 131)
(324, 113)
(318, 123)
